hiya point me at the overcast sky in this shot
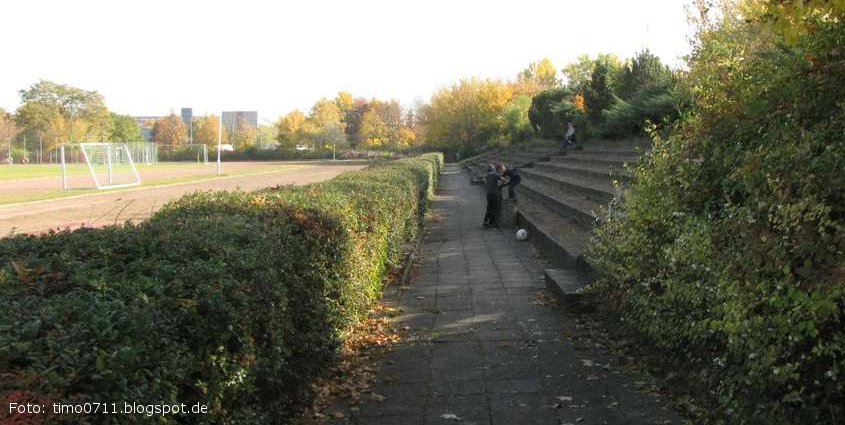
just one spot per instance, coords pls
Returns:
(153, 56)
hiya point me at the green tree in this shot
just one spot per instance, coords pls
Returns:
(598, 94)
(47, 105)
(170, 130)
(578, 74)
(515, 119)
(644, 70)
(551, 110)
(124, 128)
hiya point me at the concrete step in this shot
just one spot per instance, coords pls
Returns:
(595, 173)
(601, 192)
(561, 240)
(601, 161)
(519, 159)
(568, 286)
(614, 153)
(576, 207)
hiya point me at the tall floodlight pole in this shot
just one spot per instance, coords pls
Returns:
(219, 141)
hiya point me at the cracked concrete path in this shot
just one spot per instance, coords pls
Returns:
(487, 352)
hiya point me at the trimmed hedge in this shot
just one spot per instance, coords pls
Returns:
(236, 300)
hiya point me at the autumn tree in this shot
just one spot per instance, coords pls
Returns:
(244, 134)
(8, 130)
(170, 130)
(206, 128)
(353, 123)
(462, 118)
(324, 127)
(372, 131)
(289, 129)
(537, 77)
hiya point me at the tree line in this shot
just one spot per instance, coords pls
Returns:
(604, 97)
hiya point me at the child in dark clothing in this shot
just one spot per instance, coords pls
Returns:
(493, 184)
(513, 178)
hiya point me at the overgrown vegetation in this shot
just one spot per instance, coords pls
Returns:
(235, 300)
(728, 255)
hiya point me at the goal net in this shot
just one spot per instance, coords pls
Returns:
(109, 165)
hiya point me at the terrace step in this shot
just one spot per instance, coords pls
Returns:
(565, 204)
(600, 161)
(596, 191)
(568, 285)
(562, 239)
(606, 153)
(599, 174)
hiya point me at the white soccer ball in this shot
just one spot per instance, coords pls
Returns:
(521, 234)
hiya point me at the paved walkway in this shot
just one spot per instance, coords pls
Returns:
(488, 353)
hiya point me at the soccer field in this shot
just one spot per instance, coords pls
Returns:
(24, 183)
(161, 183)
(18, 172)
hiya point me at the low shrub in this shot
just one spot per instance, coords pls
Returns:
(234, 300)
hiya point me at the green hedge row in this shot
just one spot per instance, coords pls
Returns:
(235, 300)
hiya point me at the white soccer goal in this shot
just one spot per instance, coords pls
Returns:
(110, 165)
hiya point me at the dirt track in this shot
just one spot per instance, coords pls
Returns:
(137, 204)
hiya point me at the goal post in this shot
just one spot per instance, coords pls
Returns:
(110, 165)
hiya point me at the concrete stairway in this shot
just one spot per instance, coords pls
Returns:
(560, 202)
(519, 157)
(561, 198)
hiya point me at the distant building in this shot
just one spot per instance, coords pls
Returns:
(187, 116)
(146, 124)
(231, 118)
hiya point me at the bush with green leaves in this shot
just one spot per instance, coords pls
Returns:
(655, 104)
(729, 254)
(235, 300)
(551, 110)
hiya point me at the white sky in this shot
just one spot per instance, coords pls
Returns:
(153, 56)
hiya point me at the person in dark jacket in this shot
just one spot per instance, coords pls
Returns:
(493, 185)
(512, 179)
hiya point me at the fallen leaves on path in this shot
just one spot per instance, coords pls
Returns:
(544, 299)
(350, 381)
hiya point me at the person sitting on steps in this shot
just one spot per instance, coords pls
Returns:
(569, 139)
